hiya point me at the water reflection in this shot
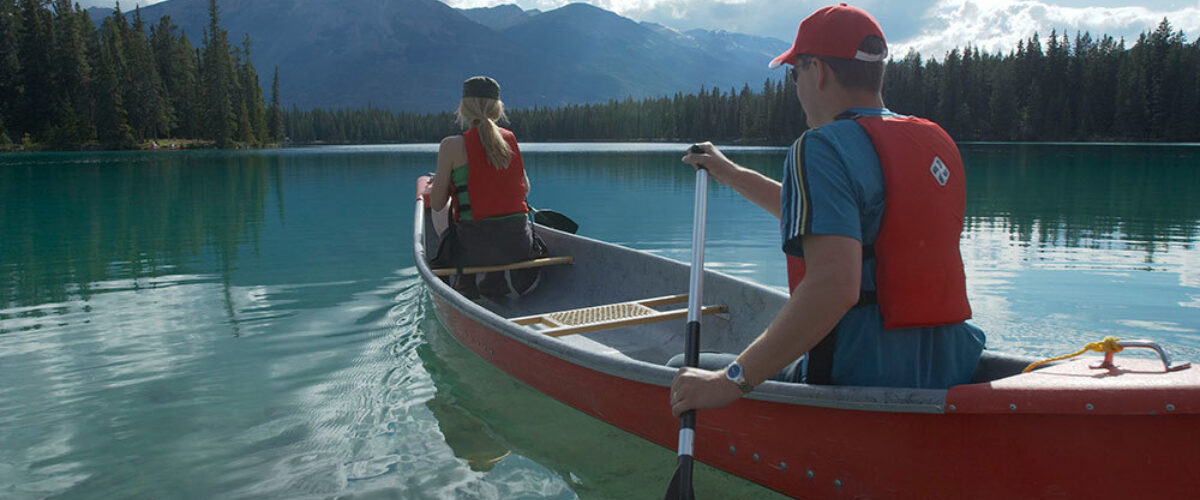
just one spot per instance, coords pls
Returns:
(1093, 197)
(491, 420)
(166, 319)
(70, 222)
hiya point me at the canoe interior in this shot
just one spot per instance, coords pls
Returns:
(605, 274)
(1054, 427)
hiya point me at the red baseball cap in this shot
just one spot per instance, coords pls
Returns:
(834, 31)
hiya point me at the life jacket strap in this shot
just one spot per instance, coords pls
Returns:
(820, 361)
(866, 298)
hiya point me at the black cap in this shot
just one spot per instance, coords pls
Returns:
(481, 86)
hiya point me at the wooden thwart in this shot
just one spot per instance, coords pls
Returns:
(525, 264)
(608, 316)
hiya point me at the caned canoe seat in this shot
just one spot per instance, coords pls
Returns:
(608, 316)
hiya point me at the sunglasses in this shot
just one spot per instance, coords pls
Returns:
(797, 65)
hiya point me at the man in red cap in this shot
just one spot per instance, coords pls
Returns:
(878, 298)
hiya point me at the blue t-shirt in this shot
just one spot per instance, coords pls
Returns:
(838, 189)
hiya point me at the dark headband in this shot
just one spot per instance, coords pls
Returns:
(481, 86)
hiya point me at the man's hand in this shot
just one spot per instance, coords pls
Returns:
(704, 154)
(696, 389)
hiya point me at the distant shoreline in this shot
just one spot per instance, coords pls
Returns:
(195, 145)
(151, 145)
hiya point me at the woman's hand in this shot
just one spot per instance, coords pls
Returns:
(696, 389)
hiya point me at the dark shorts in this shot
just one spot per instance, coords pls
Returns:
(493, 242)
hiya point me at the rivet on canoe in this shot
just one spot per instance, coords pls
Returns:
(1012, 407)
(1090, 407)
(811, 474)
(837, 482)
(732, 450)
(953, 408)
(1170, 407)
(756, 457)
(783, 465)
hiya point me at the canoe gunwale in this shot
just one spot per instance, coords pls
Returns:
(877, 399)
(1052, 428)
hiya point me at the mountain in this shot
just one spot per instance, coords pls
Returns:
(500, 16)
(99, 13)
(413, 55)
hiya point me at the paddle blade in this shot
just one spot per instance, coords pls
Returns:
(555, 220)
(681, 483)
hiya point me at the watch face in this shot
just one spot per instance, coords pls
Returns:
(734, 371)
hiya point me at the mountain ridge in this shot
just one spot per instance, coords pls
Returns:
(412, 55)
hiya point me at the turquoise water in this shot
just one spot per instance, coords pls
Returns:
(250, 325)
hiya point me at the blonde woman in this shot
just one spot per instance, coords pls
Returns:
(481, 180)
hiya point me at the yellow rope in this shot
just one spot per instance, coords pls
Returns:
(1109, 344)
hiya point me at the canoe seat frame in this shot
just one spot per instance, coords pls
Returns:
(525, 264)
(609, 316)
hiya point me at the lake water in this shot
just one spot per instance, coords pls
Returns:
(250, 324)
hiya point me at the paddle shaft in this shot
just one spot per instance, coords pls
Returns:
(681, 485)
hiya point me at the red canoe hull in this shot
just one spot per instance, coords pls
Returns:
(816, 452)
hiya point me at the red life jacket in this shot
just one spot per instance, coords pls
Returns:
(493, 191)
(919, 274)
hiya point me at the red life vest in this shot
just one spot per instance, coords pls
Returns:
(493, 191)
(919, 274)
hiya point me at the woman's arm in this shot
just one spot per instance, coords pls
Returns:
(452, 153)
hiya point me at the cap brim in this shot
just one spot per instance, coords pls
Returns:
(782, 59)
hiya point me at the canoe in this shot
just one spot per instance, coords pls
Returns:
(597, 331)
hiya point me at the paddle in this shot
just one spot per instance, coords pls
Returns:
(681, 482)
(554, 220)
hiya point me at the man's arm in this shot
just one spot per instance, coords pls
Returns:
(758, 188)
(830, 288)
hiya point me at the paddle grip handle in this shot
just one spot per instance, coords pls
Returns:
(691, 353)
(697, 150)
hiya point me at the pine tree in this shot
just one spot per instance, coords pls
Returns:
(112, 125)
(1056, 89)
(149, 112)
(5, 140)
(1004, 116)
(252, 95)
(11, 92)
(1029, 67)
(1131, 102)
(36, 45)
(218, 83)
(71, 127)
(275, 114)
(176, 63)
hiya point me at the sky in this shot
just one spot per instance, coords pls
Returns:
(930, 27)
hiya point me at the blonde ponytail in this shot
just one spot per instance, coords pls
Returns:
(483, 112)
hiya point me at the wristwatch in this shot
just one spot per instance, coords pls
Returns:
(734, 373)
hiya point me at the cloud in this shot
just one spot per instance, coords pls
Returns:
(770, 18)
(931, 27)
(997, 25)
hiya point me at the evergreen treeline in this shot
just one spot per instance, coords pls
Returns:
(66, 84)
(1083, 89)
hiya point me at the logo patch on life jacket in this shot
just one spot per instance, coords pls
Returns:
(941, 174)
